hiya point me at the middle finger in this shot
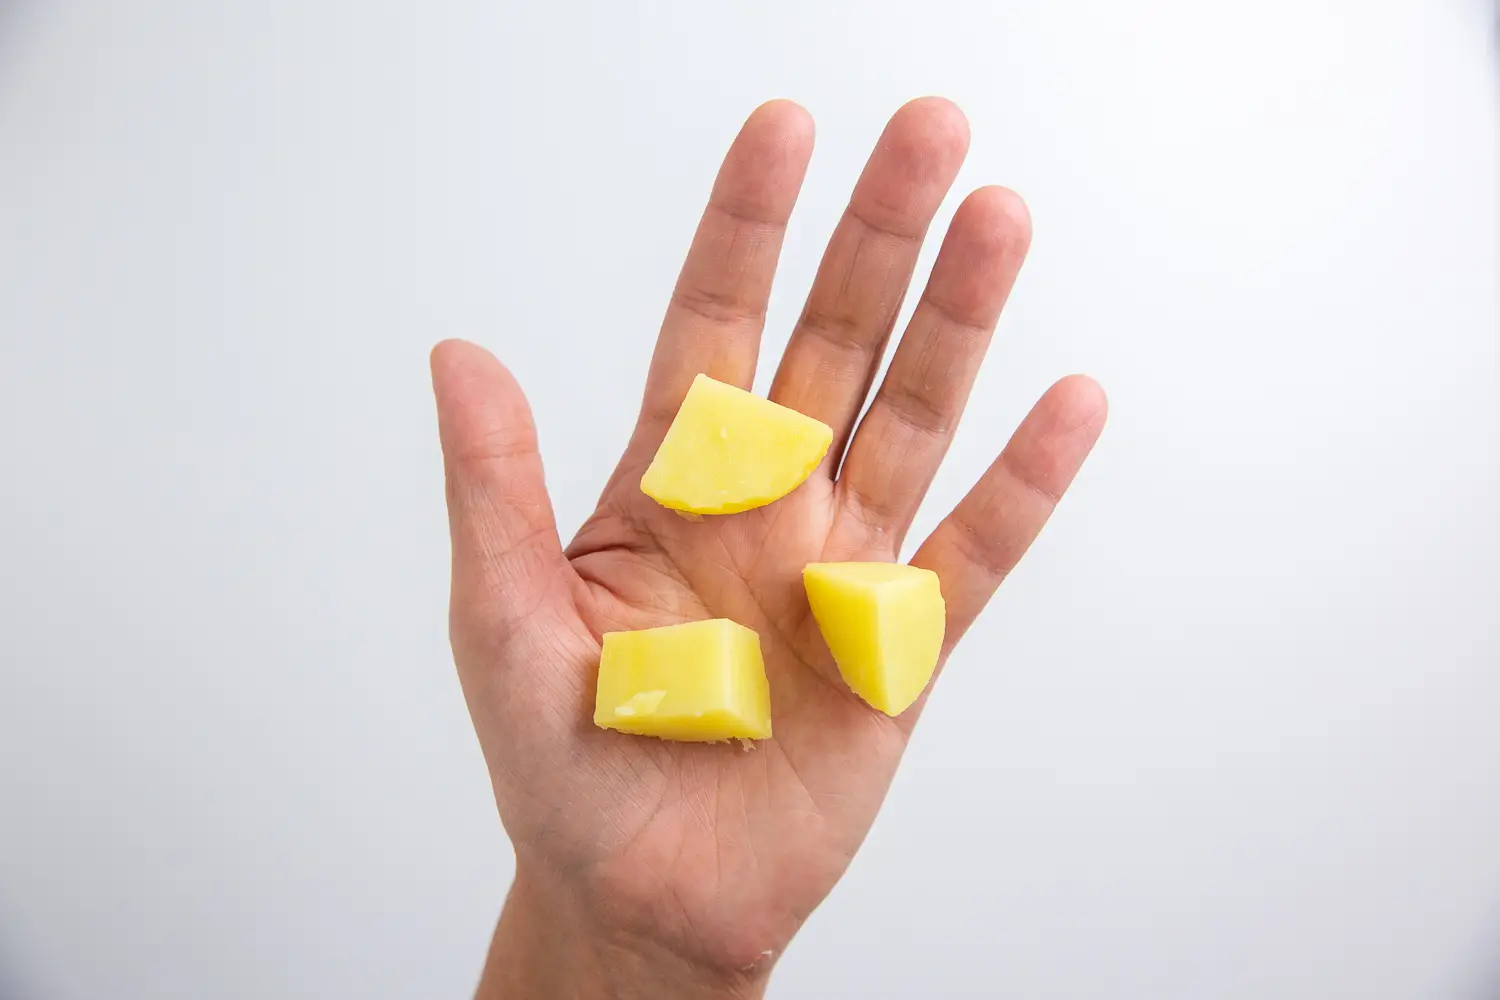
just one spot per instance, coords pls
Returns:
(836, 347)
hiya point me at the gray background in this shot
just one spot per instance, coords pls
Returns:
(1232, 731)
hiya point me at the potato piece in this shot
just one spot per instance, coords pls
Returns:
(697, 681)
(729, 450)
(883, 622)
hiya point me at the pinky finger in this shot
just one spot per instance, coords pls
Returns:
(977, 545)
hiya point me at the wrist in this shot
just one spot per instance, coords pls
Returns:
(549, 944)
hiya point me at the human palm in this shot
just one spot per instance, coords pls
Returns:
(710, 856)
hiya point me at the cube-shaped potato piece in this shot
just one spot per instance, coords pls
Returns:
(698, 681)
(884, 624)
(729, 450)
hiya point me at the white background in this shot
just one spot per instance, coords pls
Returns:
(1234, 729)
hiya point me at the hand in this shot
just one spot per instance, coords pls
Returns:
(657, 869)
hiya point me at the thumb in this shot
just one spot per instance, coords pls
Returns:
(507, 558)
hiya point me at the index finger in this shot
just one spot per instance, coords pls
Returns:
(713, 322)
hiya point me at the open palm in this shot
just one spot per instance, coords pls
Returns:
(712, 855)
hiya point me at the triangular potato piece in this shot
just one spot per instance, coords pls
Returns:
(884, 624)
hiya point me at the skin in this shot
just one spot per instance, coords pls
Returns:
(646, 868)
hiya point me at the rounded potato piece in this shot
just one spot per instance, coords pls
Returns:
(729, 450)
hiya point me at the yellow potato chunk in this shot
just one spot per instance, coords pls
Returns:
(883, 622)
(698, 681)
(729, 450)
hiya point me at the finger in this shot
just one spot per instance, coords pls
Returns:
(906, 432)
(989, 531)
(714, 319)
(507, 559)
(837, 345)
